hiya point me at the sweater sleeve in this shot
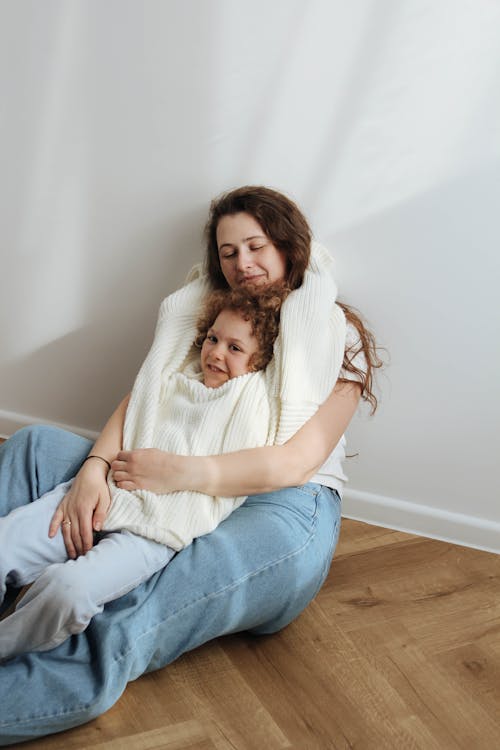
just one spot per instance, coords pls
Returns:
(309, 350)
(174, 335)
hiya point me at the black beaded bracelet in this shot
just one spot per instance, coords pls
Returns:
(102, 459)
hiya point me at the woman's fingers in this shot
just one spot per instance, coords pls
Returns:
(143, 468)
(67, 532)
(79, 512)
(101, 511)
(122, 468)
(125, 485)
(55, 523)
(123, 476)
(119, 475)
(122, 461)
(61, 519)
(122, 465)
(82, 533)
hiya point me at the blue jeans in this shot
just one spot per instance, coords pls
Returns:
(65, 594)
(257, 571)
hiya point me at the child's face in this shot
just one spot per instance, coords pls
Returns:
(227, 349)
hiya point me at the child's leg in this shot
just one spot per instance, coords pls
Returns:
(67, 595)
(25, 547)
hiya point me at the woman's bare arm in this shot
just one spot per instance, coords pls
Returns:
(88, 500)
(250, 471)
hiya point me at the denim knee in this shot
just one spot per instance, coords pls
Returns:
(31, 435)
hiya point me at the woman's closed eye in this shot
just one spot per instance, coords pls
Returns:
(232, 253)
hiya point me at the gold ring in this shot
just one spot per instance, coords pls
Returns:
(66, 523)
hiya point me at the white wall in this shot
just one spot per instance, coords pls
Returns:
(122, 118)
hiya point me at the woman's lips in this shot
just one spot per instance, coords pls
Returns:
(251, 279)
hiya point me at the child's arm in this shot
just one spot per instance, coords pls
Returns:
(246, 472)
(87, 502)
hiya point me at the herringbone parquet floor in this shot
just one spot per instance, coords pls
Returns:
(401, 649)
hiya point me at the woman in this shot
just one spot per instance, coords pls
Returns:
(257, 571)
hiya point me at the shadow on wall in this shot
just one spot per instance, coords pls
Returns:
(79, 378)
(72, 371)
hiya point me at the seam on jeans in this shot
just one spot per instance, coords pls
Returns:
(235, 584)
(307, 490)
(333, 544)
(82, 709)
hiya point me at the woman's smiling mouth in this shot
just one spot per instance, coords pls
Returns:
(251, 279)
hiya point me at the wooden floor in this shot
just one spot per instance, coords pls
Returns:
(401, 649)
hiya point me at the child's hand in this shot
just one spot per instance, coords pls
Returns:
(82, 510)
(144, 469)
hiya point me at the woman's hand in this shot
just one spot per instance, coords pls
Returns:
(85, 506)
(145, 469)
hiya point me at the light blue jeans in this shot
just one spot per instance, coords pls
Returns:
(65, 594)
(257, 571)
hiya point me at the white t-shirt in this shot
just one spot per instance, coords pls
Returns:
(331, 474)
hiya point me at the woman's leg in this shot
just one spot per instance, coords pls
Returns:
(256, 571)
(65, 597)
(34, 460)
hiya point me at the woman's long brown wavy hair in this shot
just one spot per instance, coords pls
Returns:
(286, 226)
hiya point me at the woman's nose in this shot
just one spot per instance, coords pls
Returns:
(244, 259)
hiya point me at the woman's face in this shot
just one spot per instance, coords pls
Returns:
(247, 256)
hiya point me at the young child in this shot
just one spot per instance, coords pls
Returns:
(217, 401)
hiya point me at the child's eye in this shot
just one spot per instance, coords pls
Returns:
(211, 338)
(235, 348)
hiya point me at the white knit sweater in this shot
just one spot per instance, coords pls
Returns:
(261, 408)
(194, 420)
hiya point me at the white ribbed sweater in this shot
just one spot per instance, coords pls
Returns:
(195, 420)
(308, 354)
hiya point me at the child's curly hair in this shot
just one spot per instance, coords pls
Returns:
(260, 307)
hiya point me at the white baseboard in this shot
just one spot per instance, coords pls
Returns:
(11, 421)
(379, 510)
(436, 523)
